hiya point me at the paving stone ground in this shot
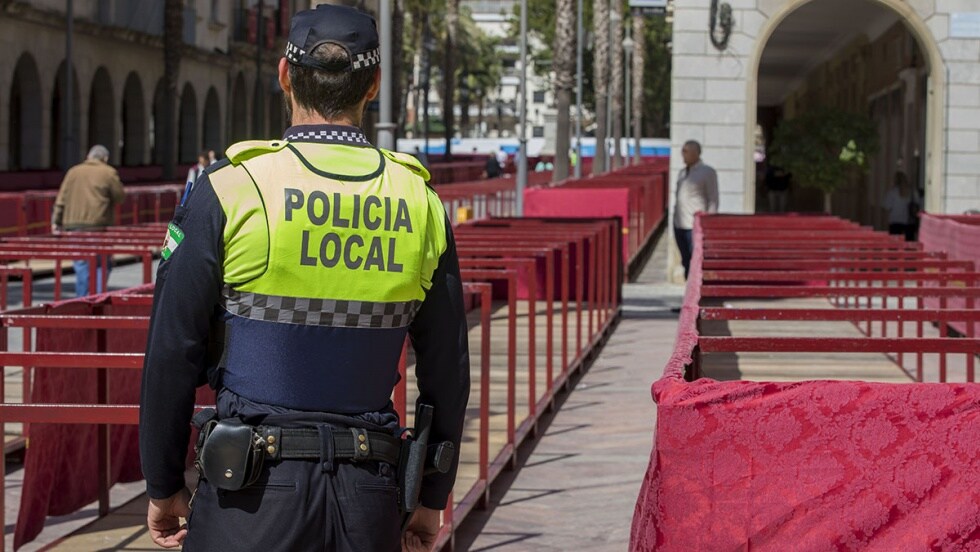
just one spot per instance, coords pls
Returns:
(577, 488)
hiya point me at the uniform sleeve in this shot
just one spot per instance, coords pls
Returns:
(187, 289)
(711, 191)
(439, 336)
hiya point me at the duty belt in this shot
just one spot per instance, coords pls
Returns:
(355, 444)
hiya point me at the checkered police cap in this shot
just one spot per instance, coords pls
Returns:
(352, 30)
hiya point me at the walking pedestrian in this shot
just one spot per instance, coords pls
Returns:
(902, 205)
(85, 203)
(697, 191)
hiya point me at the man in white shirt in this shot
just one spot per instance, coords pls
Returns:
(697, 191)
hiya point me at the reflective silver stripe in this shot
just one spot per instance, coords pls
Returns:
(318, 312)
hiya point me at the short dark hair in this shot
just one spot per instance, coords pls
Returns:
(331, 94)
(694, 144)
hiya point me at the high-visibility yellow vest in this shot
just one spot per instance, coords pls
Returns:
(328, 221)
(329, 250)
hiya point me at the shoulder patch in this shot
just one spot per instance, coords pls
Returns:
(243, 151)
(409, 162)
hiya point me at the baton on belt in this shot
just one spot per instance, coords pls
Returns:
(418, 459)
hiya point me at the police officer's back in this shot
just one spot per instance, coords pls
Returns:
(291, 276)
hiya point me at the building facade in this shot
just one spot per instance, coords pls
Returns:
(912, 65)
(117, 78)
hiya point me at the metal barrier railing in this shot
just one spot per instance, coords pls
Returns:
(540, 276)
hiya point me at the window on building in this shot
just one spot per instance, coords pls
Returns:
(539, 96)
(215, 12)
(537, 132)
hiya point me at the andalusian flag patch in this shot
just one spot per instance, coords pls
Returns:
(174, 236)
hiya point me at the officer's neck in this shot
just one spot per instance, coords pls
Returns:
(304, 117)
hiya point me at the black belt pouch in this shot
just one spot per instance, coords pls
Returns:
(231, 458)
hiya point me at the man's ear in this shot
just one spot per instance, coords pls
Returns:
(375, 87)
(284, 83)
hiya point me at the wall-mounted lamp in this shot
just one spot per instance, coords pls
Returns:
(720, 17)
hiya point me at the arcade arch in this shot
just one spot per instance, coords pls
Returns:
(25, 116)
(64, 145)
(187, 137)
(211, 131)
(102, 112)
(133, 122)
(239, 110)
(880, 60)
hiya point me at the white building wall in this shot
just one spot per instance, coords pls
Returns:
(711, 93)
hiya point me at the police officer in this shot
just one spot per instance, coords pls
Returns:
(290, 278)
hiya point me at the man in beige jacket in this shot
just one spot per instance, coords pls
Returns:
(85, 202)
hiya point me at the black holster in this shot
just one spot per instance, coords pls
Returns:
(229, 453)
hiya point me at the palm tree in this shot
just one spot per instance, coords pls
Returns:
(449, 72)
(616, 87)
(564, 66)
(600, 20)
(173, 31)
(639, 59)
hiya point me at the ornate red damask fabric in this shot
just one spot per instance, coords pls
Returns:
(807, 466)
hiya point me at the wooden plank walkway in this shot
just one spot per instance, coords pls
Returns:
(794, 366)
(812, 366)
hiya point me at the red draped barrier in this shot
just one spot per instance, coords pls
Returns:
(456, 171)
(58, 481)
(959, 237)
(29, 213)
(810, 465)
(636, 194)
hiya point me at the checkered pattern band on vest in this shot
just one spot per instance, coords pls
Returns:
(366, 59)
(352, 137)
(294, 52)
(318, 312)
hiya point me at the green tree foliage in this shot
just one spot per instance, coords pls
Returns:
(824, 148)
(656, 85)
(656, 78)
(476, 62)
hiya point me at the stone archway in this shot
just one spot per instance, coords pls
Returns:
(187, 137)
(102, 112)
(935, 139)
(25, 116)
(159, 115)
(133, 122)
(239, 110)
(65, 146)
(211, 131)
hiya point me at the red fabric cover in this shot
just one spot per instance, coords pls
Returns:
(959, 236)
(11, 211)
(816, 465)
(60, 464)
(37, 205)
(581, 203)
